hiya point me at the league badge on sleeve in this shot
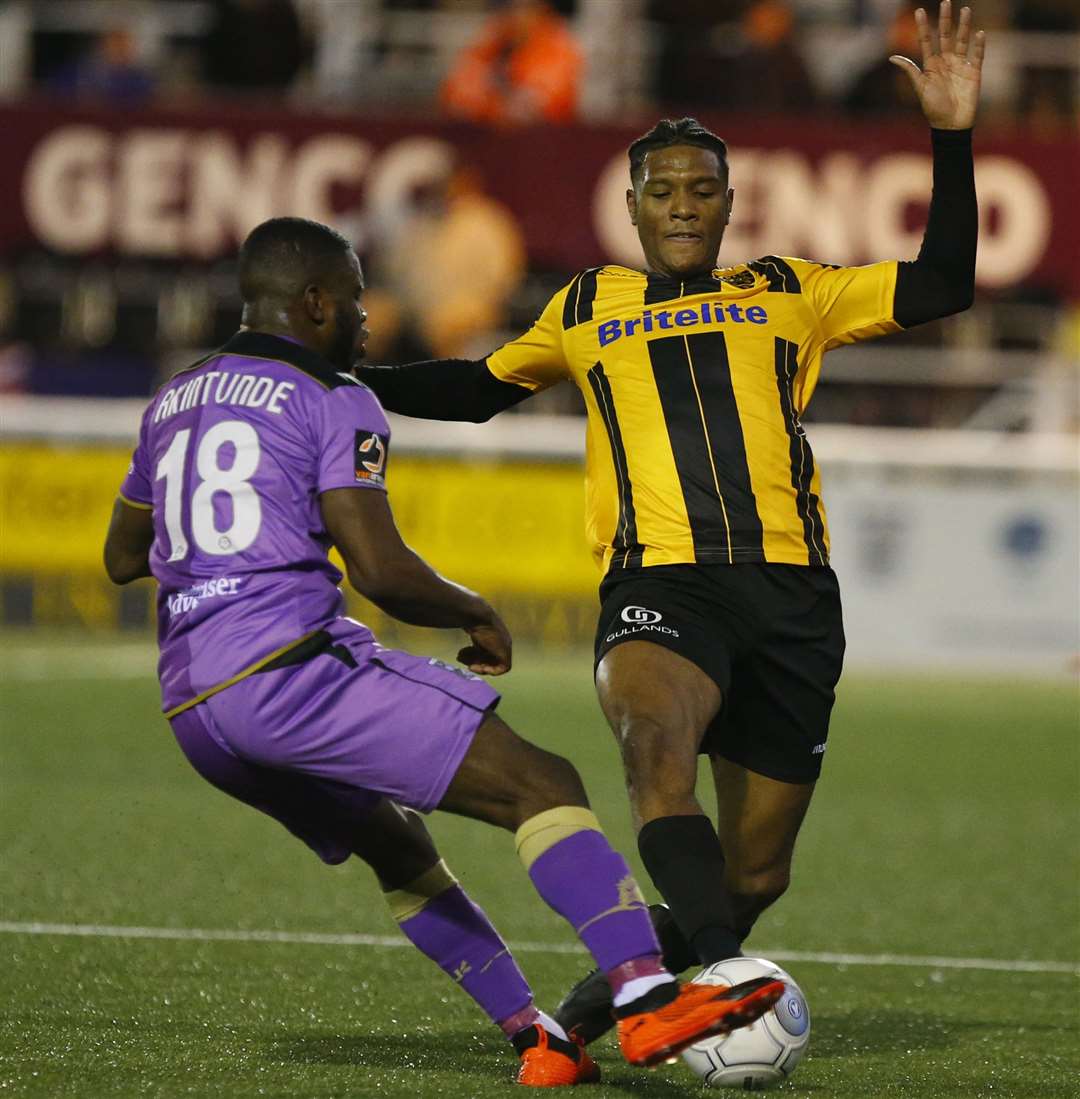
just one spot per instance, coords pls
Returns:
(370, 457)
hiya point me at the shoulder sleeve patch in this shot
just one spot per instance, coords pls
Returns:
(369, 456)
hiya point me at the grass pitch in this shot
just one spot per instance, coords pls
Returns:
(944, 830)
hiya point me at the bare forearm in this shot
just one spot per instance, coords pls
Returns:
(411, 591)
(122, 568)
(128, 542)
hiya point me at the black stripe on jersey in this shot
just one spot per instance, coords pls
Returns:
(568, 319)
(802, 458)
(586, 295)
(693, 380)
(261, 345)
(701, 284)
(659, 288)
(578, 306)
(712, 372)
(781, 278)
(628, 550)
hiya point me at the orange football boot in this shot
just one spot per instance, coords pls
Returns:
(552, 1063)
(649, 1037)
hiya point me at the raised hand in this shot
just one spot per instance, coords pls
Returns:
(948, 83)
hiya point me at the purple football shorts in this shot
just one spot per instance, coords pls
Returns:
(318, 744)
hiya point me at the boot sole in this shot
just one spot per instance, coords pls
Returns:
(749, 1010)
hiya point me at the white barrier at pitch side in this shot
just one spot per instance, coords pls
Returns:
(955, 549)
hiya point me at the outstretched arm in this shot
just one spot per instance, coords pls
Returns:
(941, 281)
(476, 389)
(442, 389)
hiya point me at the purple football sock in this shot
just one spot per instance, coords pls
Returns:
(459, 938)
(590, 885)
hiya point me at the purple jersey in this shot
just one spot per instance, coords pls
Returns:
(232, 456)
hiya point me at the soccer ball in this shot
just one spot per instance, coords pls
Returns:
(762, 1054)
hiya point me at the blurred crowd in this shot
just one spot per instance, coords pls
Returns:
(447, 270)
(521, 61)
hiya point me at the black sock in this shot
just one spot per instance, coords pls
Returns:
(684, 860)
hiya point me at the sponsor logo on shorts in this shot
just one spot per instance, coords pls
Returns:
(642, 620)
(640, 614)
(817, 749)
(190, 598)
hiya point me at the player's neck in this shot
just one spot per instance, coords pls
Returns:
(282, 331)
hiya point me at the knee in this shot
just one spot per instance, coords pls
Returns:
(547, 781)
(657, 756)
(759, 886)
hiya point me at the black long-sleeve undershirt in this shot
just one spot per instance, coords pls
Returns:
(939, 282)
(443, 389)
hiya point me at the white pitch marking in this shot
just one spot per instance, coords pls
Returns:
(317, 938)
(320, 938)
(922, 961)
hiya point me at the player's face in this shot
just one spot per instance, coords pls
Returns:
(347, 332)
(681, 207)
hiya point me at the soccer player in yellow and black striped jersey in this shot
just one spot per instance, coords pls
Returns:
(720, 627)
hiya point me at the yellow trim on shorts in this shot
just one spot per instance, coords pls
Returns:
(135, 503)
(546, 829)
(410, 899)
(251, 668)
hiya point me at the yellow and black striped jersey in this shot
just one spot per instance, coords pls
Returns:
(695, 451)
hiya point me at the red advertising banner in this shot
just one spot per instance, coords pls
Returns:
(189, 184)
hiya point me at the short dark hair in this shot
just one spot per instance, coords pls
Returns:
(668, 132)
(284, 255)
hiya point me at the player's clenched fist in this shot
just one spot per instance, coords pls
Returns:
(490, 651)
(948, 83)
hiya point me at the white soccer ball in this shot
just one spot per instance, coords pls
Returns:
(762, 1054)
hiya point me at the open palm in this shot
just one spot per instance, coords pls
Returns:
(948, 82)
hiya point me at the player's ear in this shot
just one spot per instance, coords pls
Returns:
(313, 304)
(631, 205)
(730, 204)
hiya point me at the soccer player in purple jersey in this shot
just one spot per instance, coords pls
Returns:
(250, 465)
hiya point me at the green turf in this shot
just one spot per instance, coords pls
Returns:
(945, 825)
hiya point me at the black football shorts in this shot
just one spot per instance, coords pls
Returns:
(770, 636)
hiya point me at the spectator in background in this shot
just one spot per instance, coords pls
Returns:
(254, 45)
(884, 89)
(695, 39)
(768, 73)
(525, 67)
(109, 70)
(451, 267)
(1046, 102)
(1046, 15)
(731, 57)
